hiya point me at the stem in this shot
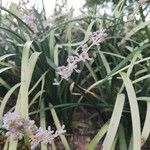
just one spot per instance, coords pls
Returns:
(26, 142)
(58, 126)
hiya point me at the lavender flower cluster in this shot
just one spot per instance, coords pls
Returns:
(65, 71)
(19, 128)
(98, 36)
(29, 19)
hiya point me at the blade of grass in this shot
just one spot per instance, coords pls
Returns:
(134, 111)
(98, 136)
(27, 67)
(5, 84)
(1, 7)
(12, 144)
(31, 64)
(122, 138)
(42, 121)
(114, 122)
(120, 65)
(134, 30)
(141, 79)
(118, 9)
(146, 128)
(131, 143)
(58, 126)
(37, 83)
(5, 56)
(6, 145)
(4, 69)
(113, 147)
(6, 98)
(35, 98)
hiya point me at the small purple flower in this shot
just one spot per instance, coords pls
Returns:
(72, 60)
(29, 19)
(65, 71)
(83, 56)
(10, 119)
(42, 136)
(29, 127)
(58, 132)
(98, 36)
(19, 127)
(15, 134)
(13, 123)
(34, 143)
(85, 47)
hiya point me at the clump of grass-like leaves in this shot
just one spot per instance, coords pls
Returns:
(112, 77)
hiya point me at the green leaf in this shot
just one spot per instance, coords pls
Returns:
(119, 66)
(5, 56)
(114, 122)
(122, 138)
(98, 136)
(58, 126)
(4, 69)
(118, 9)
(6, 98)
(146, 128)
(42, 121)
(134, 111)
(134, 30)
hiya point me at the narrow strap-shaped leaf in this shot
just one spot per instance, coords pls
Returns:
(131, 143)
(36, 97)
(37, 83)
(5, 56)
(22, 100)
(5, 84)
(98, 136)
(6, 98)
(134, 111)
(114, 144)
(134, 30)
(31, 64)
(58, 126)
(6, 144)
(114, 122)
(122, 138)
(12, 144)
(1, 7)
(146, 128)
(119, 66)
(12, 32)
(42, 121)
(4, 69)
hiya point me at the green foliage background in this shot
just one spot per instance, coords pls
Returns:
(115, 83)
